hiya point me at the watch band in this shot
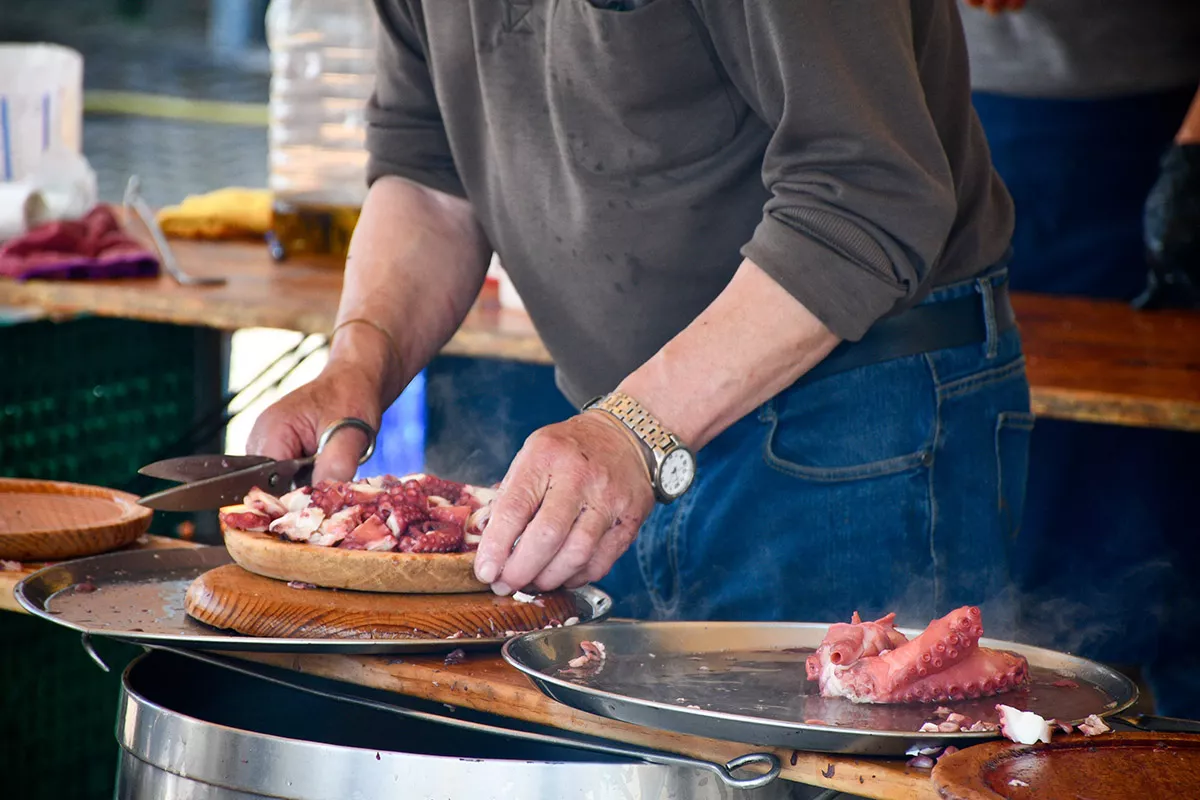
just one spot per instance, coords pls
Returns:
(639, 420)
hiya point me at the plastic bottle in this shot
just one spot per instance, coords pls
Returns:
(322, 74)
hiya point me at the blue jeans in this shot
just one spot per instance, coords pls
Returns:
(892, 487)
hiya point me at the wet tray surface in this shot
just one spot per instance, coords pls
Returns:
(746, 682)
(138, 597)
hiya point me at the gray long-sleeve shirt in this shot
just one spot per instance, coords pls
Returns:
(623, 162)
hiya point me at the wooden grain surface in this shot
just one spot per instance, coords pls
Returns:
(44, 520)
(9, 578)
(229, 597)
(1112, 766)
(1094, 361)
(485, 683)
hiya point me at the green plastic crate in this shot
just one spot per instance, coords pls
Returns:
(90, 401)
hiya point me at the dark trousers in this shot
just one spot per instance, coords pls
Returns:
(1108, 556)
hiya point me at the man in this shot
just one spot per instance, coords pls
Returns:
(1081, 102)
(770, 227)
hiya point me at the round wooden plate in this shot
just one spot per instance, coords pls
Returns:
(1111, 766)
(53, 520)
(231, 598)
(359, 570)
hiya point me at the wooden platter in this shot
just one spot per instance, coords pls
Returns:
(52, 520)
(360, 570)
(231, 598)
(1111, 766)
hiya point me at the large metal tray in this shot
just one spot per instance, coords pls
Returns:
(746, 682)
(139, 599)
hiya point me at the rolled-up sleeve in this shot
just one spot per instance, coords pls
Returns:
(405, 133)
(862, 195)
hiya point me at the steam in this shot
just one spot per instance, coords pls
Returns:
(472, 448)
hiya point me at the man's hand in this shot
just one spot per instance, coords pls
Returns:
(997, 6)
(291, 426)
(575, 497)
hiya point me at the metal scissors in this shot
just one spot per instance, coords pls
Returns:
(213, 481)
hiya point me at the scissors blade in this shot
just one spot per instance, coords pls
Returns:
(224, 490)
(196, 468)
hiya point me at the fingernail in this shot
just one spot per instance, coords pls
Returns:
(501, 589)
(486, 571)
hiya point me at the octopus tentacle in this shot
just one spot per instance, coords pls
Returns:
(944, 662)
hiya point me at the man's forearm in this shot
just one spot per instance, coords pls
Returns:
(752, 342)
(1189, 131)
(416, 264)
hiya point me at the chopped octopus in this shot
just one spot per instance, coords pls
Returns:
(872, 662)
(413, 514)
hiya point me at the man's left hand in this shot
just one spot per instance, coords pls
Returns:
(571, 503)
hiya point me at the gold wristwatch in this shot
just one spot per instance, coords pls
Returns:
(674, 466)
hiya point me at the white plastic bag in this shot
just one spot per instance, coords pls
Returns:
(43, 173)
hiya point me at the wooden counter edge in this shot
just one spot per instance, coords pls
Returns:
(491, 332)
(10, 578)
(874, 778)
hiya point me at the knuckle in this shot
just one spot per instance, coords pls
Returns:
(595, 571)
(541, 533)
(515, 503)
(624, 535)
(576, 554)
(546, 584)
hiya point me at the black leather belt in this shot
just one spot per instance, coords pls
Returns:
(921, 329)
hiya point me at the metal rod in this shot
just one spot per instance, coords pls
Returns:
(722, 771)
(86, 640)
(135, 203)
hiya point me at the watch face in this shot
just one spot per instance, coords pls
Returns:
(677, 472)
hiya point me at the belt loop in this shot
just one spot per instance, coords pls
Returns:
(989, 316)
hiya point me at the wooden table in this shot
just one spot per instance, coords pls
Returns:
(1089, 360)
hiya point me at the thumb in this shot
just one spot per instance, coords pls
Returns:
(339, 460)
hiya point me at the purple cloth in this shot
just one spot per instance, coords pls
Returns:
(94, 247)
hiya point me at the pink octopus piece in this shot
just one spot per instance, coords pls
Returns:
(265, 503)
(372, 534)
(872, 662)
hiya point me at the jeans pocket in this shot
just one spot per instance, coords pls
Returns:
(1014, 430)
(864, 423)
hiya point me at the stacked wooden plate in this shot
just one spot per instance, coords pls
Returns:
(51, 520)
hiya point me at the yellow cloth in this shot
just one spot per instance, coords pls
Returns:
(223, 214)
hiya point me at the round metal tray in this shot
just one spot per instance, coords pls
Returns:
(746, 682)
(139, 598)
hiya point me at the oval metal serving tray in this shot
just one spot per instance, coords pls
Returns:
(139, 598)
(746, 682)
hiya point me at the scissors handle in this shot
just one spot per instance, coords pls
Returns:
(349, 422)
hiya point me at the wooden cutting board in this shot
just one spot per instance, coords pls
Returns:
(232, 598)
(485, 682)
(1112, 766)
(52, 520)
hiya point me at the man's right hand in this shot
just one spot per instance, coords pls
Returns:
(291, 427)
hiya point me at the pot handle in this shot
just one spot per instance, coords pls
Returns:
(1153, 724)
(722, 771)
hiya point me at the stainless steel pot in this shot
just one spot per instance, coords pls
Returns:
(197, 730)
